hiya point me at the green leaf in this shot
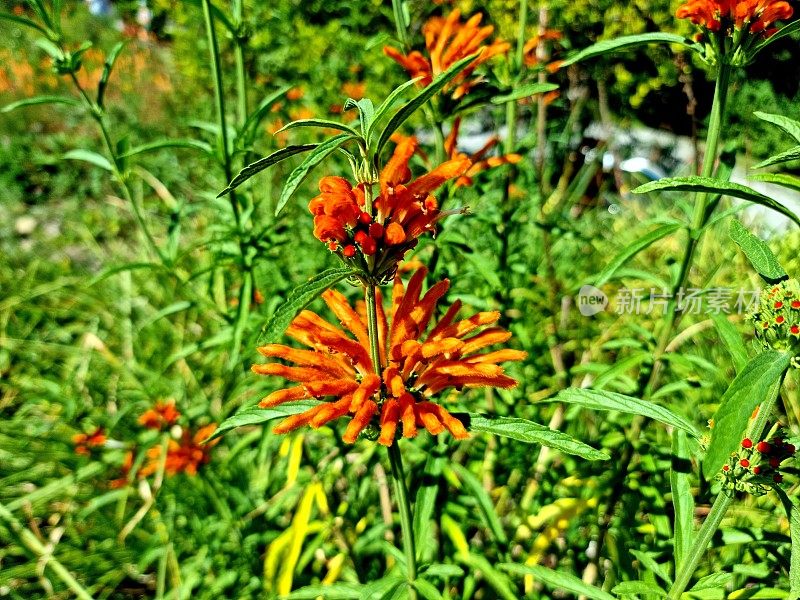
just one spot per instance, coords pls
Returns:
(476, 489)
(603, 400)
(441, 570)
(402, 115)
(336, 591)
(710, 582)
(525, 91)
(323, 123)
(263, 108)
(427, 590)
(787, 156)
(107, 68)
(650, 564)
(40, 100)
(312, 160)
(731, 339)
(381, 589)
(563, 582)
(630, 41)
(782, 179)
(633, 249)
(493, 577)
(530, 433)
(366, 112)
(388, 104)
(793, 515)
(168, 143)
(297, 300)
(714, 186)
(636, 588)
(783, 32)
(758, 253)
(682, 499)
(752, 386)
(264, 163)
(425, 502)
(790, 126)
(50, 48)
(257, 416)
(22, 21)
(94, 158)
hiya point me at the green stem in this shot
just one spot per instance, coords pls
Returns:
(721, 504)
(395, 458)
(404, 508)
(241, 75)
(519, 60)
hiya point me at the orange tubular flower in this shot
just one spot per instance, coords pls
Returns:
(448, 40)
(479, 161)
(184, 456)
(84, 442)
(163, 414)
(403, 211)
(415, 366)
(717, 15)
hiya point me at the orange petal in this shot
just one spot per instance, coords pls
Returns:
(359, 421)
(429, 182)
(338, 387)
(286, 395)
(408, 418)
(390, 415)
(369, 385)
(298, 374)
(330, 411)
(394, 234)
(426, 414)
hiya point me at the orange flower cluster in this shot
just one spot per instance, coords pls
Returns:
(414, 366)
(84, 442)
(162, 415)
(449, 40)
(183, 456)
(715, 15)
(478, 160)
(402, 212)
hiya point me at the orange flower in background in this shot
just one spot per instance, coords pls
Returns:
(125, 469)
(163, 414)
(354, 89)
(415, 366)
(757, 15)
(448, 40)
(184, 456)
(403, 210)
(478, 160)
(84, 442)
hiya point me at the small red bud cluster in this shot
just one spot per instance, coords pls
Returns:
(756, 466)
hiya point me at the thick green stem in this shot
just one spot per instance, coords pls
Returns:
(721, 504)
(519, 60)
(395, 458)
(404, 508)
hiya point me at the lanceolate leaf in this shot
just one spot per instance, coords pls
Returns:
(298, 299)
(264, 163)
(751, 387)
(790, 126)
(525, 91)
(94, 158)
(107, 68)
(788, 156)
(787, 30)
(682, 499)
(256, 416)
(484, 502)
(312, 160)
(322, 123)
(783, 179)
(563, 582)
(603, 400)
(159, 144)
(638, 588)
(336, 591)
(531, 433)
(714, 186)
(793, 514)
(402, 115)
(388, 103)
(731, 339)
(630, 41)
(758, 253)
(633, 249)
(40, 100)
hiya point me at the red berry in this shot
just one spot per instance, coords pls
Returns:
(376, 231)
(763, 447)
(747, 443)
(744, 462)
(779, 304)
(756, 470)
(777, 478)
(365, 218)
(349, 251)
